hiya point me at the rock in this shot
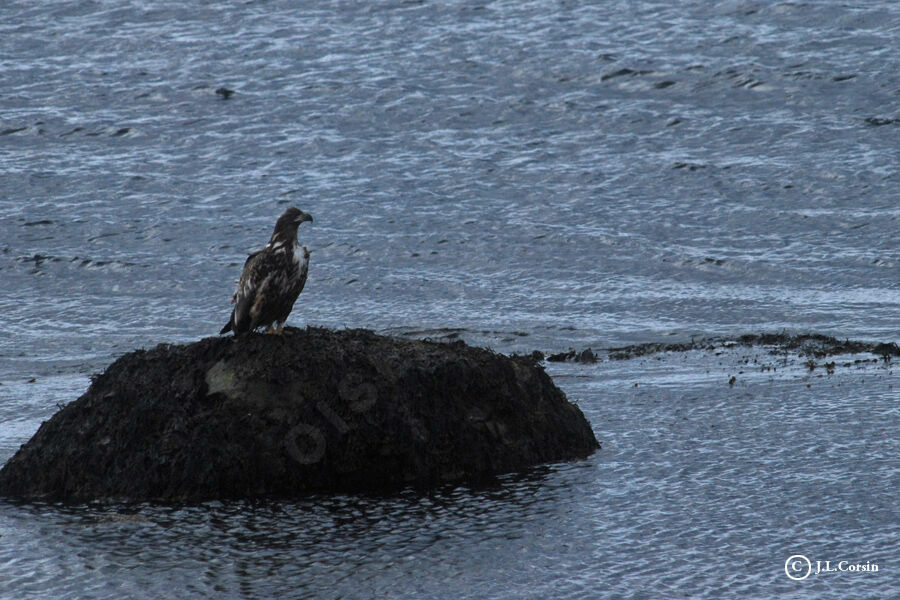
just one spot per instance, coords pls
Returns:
(224, 93)
(586, 356)
(310, 410)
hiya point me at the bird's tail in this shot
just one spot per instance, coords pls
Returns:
(227, 327)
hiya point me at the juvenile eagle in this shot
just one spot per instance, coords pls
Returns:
(272, 279)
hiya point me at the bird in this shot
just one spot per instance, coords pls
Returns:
(272, 279)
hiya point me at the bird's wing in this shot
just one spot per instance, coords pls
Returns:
(245, 275)
(248, 288)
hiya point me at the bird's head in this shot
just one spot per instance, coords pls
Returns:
(294, 216)
(291, 219)
(286, 227)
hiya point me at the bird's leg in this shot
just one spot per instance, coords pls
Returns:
(280, 327)
(270, 330)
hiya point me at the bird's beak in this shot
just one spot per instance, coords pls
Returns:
(304, 217)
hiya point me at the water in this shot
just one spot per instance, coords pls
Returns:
(524, 175)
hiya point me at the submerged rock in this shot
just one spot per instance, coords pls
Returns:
(311, 410)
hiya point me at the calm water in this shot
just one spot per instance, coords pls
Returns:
(525, 175)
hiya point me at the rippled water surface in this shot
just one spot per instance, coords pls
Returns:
(523, 175)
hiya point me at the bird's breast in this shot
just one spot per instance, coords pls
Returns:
(301, 257)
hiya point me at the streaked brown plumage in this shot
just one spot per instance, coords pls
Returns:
(271, 279)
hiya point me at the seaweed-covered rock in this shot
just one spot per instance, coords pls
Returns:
(310, 410)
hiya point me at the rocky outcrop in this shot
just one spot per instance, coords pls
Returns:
(310, 410)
